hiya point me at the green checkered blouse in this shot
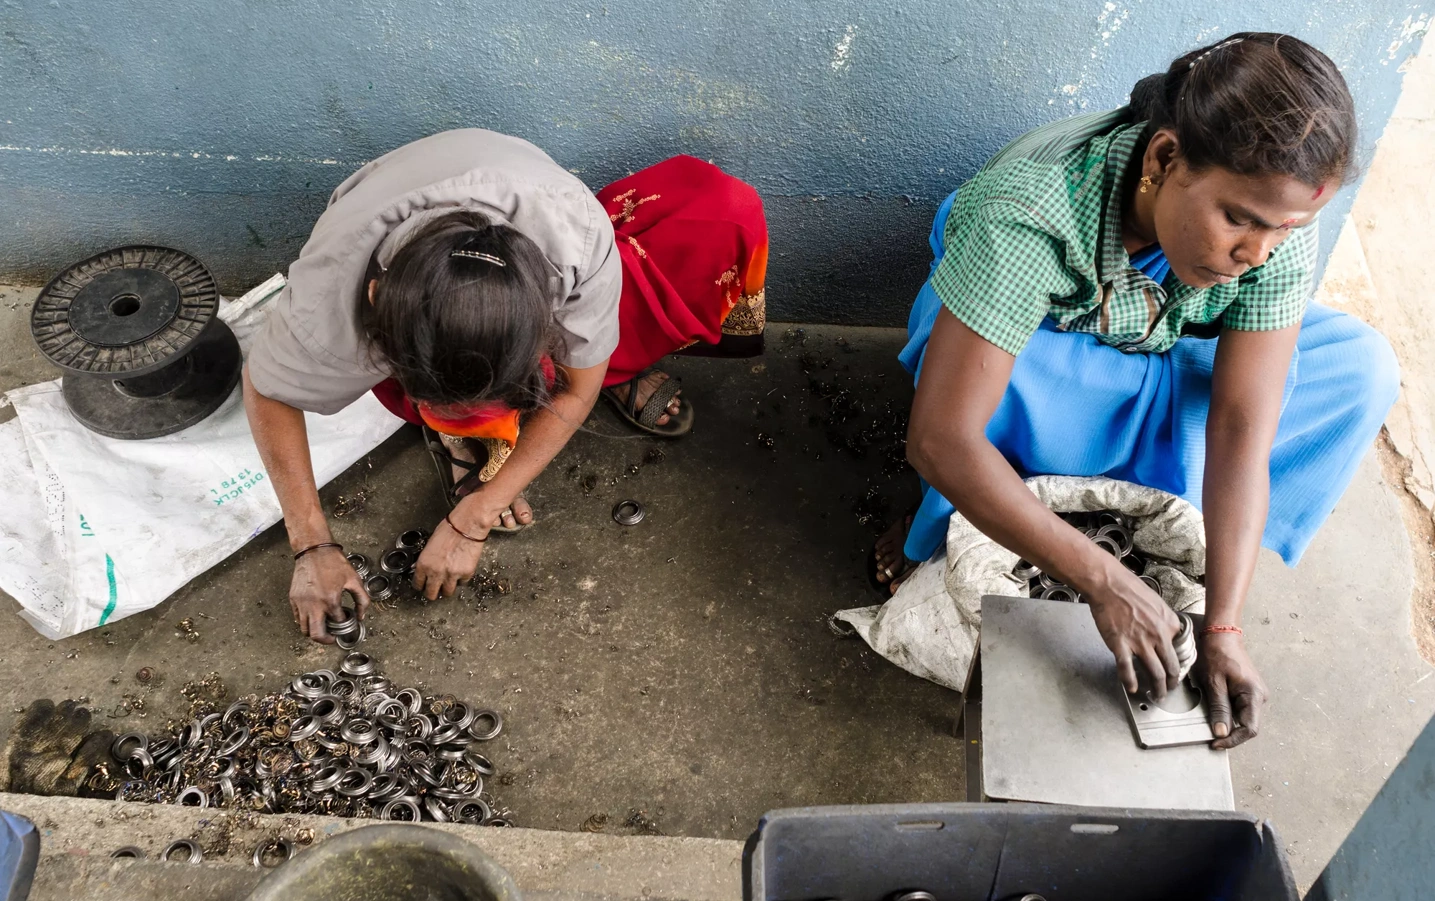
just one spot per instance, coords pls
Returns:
(1037, 233)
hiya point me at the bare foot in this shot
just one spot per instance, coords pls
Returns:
(646, 386)
(520, 514)
(893, 567)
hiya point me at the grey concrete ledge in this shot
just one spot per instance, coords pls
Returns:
(78, 835)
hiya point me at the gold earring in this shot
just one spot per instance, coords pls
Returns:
(1145, 183)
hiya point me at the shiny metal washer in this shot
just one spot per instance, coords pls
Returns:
(412, 540)
(195, 854)
(628, 513)
(480, 730)
(193, 793)
(357, 664)
(281, 845)
(398, 562)
(361, 564)
(379, 588)
(129, 851)
(391, 810)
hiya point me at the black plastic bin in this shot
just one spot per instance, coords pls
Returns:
(995, 852)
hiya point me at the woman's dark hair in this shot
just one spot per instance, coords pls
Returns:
(1255, 103)
(464, 313)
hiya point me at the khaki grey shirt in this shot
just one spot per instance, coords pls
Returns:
(313, 354)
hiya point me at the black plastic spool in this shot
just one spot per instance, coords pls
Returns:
(136, 331)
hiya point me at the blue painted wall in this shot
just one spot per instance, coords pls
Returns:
(221, 127)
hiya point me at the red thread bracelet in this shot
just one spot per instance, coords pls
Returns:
(1211, 630)
(463, 533)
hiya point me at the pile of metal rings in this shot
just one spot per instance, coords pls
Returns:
(347, 743)
(396, 567)
(1111, 532)
(268, 854)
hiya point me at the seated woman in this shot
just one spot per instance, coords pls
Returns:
(482, 291)
(1070, 327)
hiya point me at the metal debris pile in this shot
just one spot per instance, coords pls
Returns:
(347, 743)
(1112, 532)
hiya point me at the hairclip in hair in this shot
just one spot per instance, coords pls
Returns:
(1221, 46)
(478, 255)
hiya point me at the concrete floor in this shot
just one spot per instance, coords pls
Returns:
(683, 667)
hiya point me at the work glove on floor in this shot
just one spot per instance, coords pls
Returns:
(52, 750)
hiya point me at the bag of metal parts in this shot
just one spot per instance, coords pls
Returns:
(94, 529)
(930, 626)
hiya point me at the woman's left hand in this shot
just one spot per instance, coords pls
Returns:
(1233, 688)
(447, 559)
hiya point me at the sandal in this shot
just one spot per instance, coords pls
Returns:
(453, 492)
(646, 420)
(885, 588)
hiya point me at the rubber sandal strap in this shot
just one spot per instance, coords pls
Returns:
(658, 401)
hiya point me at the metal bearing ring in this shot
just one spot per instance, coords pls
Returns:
(348, 625)
(379, 588)
(120, 749)
(233, 742)
(326, 778)
(390, 811)
(359, 732)
(1119, 534)
(1026, 571)
(352, 640)
(915, 896)
(193, 793)
(436, 809)
(308, 686)
(129, 851)
(411, 698)
(473, 811)
(478, 732)
(397, 562)
(196, 854)
(281, 845)
(233, 711)
(1152, 584)
(481, 763)
(327, 711)
(1107, 544)
(361, 564)
(140, 760)
(628, 513)
(358, 665)
(412, 540)
(1061, 593)
(355, 783)
(304, 727)
(444, 734)
(1134, 562)
(498, 821)
(460, 715)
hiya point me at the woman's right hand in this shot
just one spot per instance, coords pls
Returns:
(1136, 625)
(320, 579)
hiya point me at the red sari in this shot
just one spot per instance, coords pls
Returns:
(693, 244)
